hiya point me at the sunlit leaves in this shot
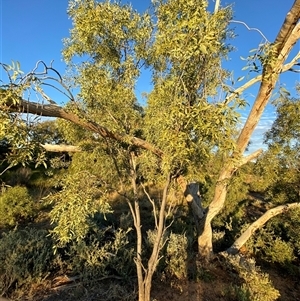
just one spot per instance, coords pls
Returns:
(80, 198)
(113, 38)
(281, 160)
(190, 43)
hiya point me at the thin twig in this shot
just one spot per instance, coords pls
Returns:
(153, 205)
(250, 28)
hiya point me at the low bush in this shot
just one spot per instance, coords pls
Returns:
(270, 247)
(176, 255)
(104, 253)
(16, 205)
(256, 285)
(26, 256)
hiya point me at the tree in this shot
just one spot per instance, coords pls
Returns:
(281, 163)
(184, 122)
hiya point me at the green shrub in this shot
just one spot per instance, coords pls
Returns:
(256, 285)
(237, 293)
(25, 257)
(16, 205)
(102, 253)
(271, 247)
(280, 251)
(177, 255)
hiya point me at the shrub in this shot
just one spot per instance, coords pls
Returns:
(237, 293)
(271, 247)
(177, 255)
(280, 251)
(16, 205)
(102, 253)
(25, 257)
(257, 286)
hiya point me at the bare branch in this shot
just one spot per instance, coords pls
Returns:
(58, 112)
(217, 5)
(250, 28)
(61, 148)
(250, 157)
(153, 205)
(258, 224)
(293, 62)
(251, 82)
(241, 89)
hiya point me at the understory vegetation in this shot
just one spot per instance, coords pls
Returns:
(57, 231)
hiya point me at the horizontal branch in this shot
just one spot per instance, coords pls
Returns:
(258, 78)
(51, 110)
(250, 157)
(258, 224)
(58, 148)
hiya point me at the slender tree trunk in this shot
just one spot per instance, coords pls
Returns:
(145, 274)
(158, 243)
(136, 214)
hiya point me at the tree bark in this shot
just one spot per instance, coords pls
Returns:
(286, 39)
(234, 249)
(193, 198)
(154, 258)
(61, 148)
(52, 110)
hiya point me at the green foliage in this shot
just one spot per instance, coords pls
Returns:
(46, 131)
(181, 117)
(26, 257)
(273, 244)
(280, 251)
(257, 285)
(237, 293)
(22, 148)
(75, 206)
(104, 252)
(105, 161)
(14, 129)
(16, 205)
(291, 224)
(114, 37)
(176, 255)
(281, 161)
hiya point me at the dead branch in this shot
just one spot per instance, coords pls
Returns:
(61, 148)
(258, 224)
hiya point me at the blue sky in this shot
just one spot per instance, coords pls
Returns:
(32, 30)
